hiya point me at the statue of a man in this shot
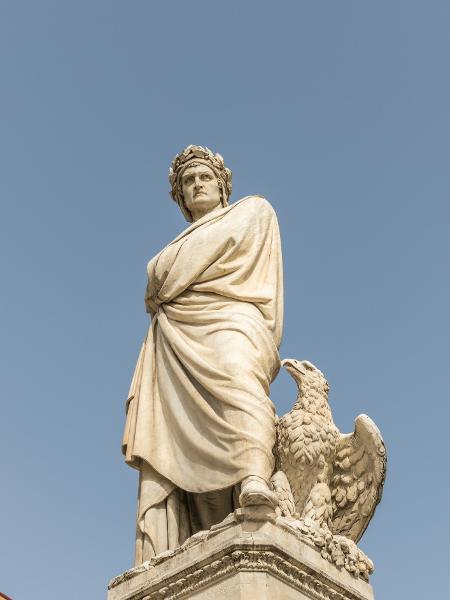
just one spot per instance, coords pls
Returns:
(200, 425)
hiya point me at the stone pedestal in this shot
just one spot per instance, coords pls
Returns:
(251, 555)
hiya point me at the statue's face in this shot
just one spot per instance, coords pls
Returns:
(201, 190)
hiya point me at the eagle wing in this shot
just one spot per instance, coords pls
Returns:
(359, 471)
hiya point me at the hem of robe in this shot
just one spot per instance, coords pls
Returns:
(162, 485)
(154, 487)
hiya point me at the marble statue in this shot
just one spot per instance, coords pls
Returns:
(332, 480)
(200, 426)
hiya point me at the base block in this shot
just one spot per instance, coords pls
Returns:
(251, 555)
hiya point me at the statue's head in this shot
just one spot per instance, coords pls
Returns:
(200, 181)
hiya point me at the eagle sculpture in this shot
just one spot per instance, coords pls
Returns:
(331, 479)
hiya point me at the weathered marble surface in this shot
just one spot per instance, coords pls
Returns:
(252, 555)
(232, 499)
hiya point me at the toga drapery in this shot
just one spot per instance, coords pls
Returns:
(199, 417)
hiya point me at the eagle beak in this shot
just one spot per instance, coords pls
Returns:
(294, 364)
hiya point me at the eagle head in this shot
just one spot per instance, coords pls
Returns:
(306, 375)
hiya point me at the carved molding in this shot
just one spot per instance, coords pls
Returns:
(237, 559)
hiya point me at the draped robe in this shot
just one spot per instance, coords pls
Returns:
(199, 417)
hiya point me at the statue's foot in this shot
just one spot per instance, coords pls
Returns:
(255, 492)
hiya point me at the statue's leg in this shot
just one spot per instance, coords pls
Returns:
(178, 525)
(209, 508)
(155, 531)
(164, 526)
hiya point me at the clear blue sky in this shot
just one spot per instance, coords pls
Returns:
(337, 112)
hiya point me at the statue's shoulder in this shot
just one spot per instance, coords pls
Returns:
(255, 203)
